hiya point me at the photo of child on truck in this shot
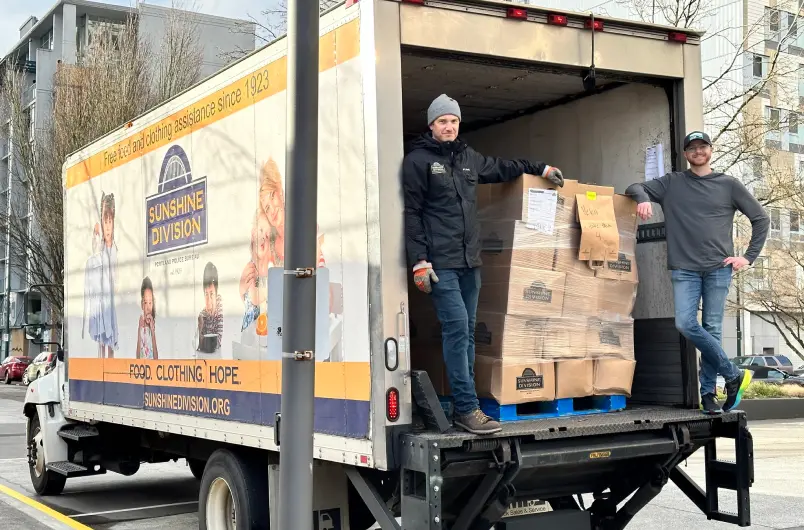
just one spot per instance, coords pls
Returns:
(146, 333)
(100, 282)
(210, 320)
(254, 279)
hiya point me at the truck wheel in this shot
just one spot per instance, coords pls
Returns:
(234, 493)
(45, 482)
(196, 467)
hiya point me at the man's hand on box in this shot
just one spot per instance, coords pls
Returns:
(555, 176)
(424, 276)
(645, 210)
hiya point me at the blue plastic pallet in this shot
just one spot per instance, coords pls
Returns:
(552, 409)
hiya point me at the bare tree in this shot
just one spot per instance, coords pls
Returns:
(753, 66)
(270, 24)
(116, 78)
(180, 54)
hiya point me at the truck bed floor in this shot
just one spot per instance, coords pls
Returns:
(636, 418)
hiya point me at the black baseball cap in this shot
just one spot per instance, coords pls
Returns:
(697, 135)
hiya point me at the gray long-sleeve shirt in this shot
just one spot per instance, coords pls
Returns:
(699, 215)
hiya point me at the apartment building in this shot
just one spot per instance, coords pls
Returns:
(59, 36)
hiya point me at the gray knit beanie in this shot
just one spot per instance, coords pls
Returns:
(441, 106)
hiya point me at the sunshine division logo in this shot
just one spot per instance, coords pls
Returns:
(176, 216)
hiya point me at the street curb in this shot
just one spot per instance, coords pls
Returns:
(773, 408)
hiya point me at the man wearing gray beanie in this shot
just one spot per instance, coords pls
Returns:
(440, 177)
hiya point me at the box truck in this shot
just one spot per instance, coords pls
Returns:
(174, 245)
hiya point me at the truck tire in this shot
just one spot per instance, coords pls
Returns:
(45, 482)
(233, 494)
(196, 467)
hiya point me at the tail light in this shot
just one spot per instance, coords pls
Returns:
(392, 404)
(677, 36)
(596, 25)
(517, 13)
(557, 20)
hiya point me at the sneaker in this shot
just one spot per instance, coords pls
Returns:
(476, 422)
(710, 404)
(735, 389)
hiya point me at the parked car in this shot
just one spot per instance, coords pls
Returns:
(776, 361)
(39, 367)
(12, 368)
(775, 376)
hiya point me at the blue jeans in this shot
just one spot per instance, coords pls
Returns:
(689, 287)
(455, 299)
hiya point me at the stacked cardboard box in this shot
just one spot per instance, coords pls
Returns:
(559, 283)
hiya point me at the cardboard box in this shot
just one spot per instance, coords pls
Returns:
(616, 296)
(568, 241)
(509, 201)
(625, 212)
(600, 240)
(513, 381)
(625, 266)
(521, 291)
(512, 243)
(614, 376)
(610, 339)
(581, 296)
(575, 378)
(500, 336)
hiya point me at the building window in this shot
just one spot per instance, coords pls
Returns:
(759, 66)
(772, 25)
(773, 117)
(776, 221)
(756, 167)
(46, 42)
(795, 225)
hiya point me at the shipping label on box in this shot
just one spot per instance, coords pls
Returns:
(600, 240)
(513, 381)
(512, 243)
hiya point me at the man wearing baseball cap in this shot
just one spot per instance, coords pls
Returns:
(440, 177)
(699, 206)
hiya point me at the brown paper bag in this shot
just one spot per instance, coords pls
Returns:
(600, 240)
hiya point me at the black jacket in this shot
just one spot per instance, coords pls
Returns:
(440, 184)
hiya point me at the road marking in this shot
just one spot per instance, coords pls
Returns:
(135, 509)
(44, 509)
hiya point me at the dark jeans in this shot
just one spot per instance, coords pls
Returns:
(455, 299)
(689, 287)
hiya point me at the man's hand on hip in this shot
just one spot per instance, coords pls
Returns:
(736, 262)
(645, 210)
(424, 276)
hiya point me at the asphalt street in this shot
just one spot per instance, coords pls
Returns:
(164, 496)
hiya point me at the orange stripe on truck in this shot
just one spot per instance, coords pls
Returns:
(342, 380)
(336, 47)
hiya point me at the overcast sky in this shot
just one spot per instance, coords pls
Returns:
(15, 12)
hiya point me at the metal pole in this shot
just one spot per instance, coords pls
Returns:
(298, 327)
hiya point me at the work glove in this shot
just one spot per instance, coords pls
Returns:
(554, 175)
(424, 276)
